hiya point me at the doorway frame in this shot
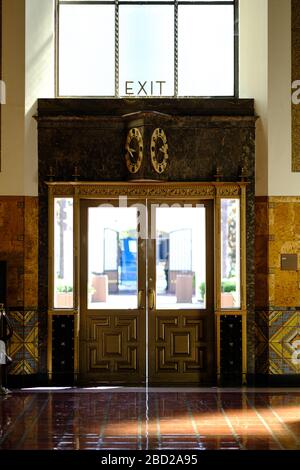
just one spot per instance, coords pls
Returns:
(215, 191)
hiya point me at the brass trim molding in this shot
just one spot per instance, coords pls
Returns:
(282, 199)
(147, 189)
(229, 190)
(229, 312)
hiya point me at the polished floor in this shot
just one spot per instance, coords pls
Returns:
(119, 418)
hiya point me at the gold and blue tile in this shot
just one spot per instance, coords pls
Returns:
(261, 341)
(284, 340)
(23, 346)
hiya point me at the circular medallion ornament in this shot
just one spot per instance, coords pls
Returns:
(134, 150)
(159, 151)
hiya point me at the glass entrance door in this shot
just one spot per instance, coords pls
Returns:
(112, 294)
(146, 292)
(180, 289)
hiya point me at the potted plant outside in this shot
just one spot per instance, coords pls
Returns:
(228, 288)
(64, 296)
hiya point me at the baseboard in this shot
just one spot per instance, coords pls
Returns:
(25, 381)
(269, 380)
(253, 380)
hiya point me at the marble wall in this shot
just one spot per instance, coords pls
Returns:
(19, 249)
(277, 292)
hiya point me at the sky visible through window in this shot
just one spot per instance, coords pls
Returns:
(160, 48)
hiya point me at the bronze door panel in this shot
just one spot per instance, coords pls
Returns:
(112, 349)
(182, 351)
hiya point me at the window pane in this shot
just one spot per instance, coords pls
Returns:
(180, 258)
(136, 1)
(86, 50)
(112, 258)
(206, 50)
(63, 253)
(206, 1)
(149, 1)
(146, 50)
(230, 253)
(81, 1)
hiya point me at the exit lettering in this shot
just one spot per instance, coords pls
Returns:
(147, 88)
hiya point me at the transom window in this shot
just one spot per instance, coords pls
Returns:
(146, 48)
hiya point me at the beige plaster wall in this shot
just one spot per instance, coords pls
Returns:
(254, 77)
(39, 81)
(265, 75)
(28, 71)
(13, 73)
(282, 181)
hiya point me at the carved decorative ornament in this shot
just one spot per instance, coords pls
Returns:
(173, 190)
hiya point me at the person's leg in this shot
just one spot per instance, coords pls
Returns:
(2, 389)
(4, 379)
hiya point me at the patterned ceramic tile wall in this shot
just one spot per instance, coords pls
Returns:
(278, 342)
(19, 248)
(277, 328)
(23, 346)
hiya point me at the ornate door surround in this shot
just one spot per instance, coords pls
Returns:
(84, 191)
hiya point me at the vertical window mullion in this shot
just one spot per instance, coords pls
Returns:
(117, 74)
(176, 48)
(56, 45)
(236, 48)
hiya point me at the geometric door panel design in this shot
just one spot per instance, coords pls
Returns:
(181, 351)
(111, 345)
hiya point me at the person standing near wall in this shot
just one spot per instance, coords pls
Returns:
(6, 332)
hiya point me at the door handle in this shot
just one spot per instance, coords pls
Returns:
(151, 299)
(140, 300)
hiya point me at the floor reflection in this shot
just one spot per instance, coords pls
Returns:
(150, 419)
